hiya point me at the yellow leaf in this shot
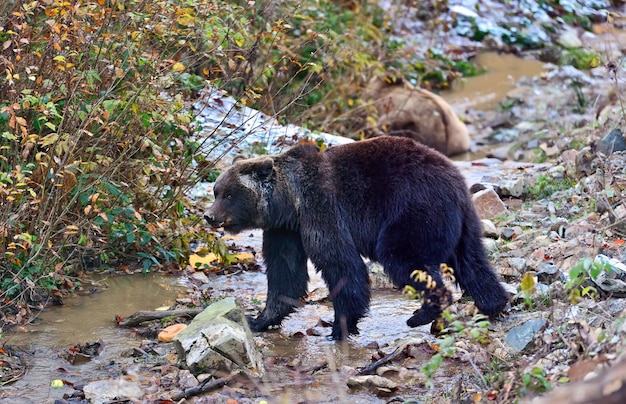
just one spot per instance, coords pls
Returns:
(245, 256)
(198, 261)
(528, 284)
(49, 139)
(178, 67)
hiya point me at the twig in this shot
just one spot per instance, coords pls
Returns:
(141, 316)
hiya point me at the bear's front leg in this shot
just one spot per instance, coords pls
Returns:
(348, 282)
(287, 277)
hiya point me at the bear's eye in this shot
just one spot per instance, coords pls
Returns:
(229, 196)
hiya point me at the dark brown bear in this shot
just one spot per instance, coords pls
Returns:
(390, 199)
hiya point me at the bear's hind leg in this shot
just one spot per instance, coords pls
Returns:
(287, 277)
(436, 298)
(402, 253)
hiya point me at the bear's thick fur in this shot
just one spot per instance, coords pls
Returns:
(404, 110)
(390, 199)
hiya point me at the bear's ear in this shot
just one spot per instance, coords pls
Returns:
(264, 168)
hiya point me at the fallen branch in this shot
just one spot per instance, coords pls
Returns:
(371, 369)
(203, 388)
(141, 316)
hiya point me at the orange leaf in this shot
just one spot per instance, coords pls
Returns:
(619, 242)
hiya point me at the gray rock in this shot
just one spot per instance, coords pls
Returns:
(612, 142)
(372, 381)
(548, 273)
(513, 187)
(490, 245)
(489, 229)
(522, 336)
(569, 39)
(105, 391)
(508, 233)
(186, 379)
(218, 339)
(612, 279)
(518, 264)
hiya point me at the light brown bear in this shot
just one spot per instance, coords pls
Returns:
(404, 110)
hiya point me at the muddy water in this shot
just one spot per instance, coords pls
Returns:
(82, 320)
(487, 90)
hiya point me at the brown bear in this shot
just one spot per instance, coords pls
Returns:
(404, 110)
(390, 199)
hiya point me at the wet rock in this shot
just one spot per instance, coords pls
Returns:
(569, 39)
(520, 93)
(186, 379)
(116, 390)
(348, 371)
(611, 280)
(218, 339)
(488, 204)
(199, 277)
(612, 142)
(519, 338)
(371, 382)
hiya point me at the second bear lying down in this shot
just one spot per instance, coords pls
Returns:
(389, 199)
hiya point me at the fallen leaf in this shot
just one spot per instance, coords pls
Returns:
(198, 261)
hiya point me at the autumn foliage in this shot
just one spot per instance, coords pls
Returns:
(96, 134)
(94, 151)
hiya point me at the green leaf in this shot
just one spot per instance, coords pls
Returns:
(239, 39)
(147, 263)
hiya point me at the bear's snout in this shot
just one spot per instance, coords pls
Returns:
(212, 220)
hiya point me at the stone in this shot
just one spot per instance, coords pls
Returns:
(490, 245)
(515, 187)
(610, 278)
(199, 277)
(489, 229)
(117, 390)
(548, 273)
(219, 339)
(488, 204)
(612, 142)
(520, 337)
(371, 381)
(508, 233)
(518, 264)
(186, 380)
(569, 39)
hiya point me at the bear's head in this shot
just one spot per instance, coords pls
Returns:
(241, 195)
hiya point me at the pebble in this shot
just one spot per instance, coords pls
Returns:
(518, 264)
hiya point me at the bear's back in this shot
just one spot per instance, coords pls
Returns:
(393, 161)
